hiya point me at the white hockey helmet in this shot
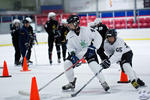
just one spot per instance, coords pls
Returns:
(91, 24)
(29, 19)
(97, 21)
(64, 21)
(16, 21)
(51, 14)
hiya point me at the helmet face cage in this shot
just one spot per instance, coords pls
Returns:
(74, 19)
(25, 21)
(111, 33)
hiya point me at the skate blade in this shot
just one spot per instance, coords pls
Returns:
(69, 90)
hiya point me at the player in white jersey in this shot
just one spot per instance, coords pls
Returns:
(82, 41)
(119, 51)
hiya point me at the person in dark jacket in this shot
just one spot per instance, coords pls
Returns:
(15, 30)
(64, 31)
(32, 41)
(102, 29)
(51, 28)
(24, 39)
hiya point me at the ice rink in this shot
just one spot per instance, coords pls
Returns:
(43, 72)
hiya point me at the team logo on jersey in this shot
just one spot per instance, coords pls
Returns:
(83, 44)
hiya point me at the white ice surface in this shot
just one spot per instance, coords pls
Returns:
(43, 72)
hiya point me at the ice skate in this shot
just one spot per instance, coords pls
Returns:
(29, 62)
(70, 86)
(135, 84)
(50, 62)
(17, 63)
(140, 82)
(59, 61)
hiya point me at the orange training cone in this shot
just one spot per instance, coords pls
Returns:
(5, 70)
(83, 61)
(25, 65)
(34, 94)
(123, 78)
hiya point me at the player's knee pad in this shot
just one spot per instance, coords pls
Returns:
(67, 64)
(95, 67)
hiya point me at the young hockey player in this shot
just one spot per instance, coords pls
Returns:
(15, 30)
(119, 51)
(63, 29)
(51, 28)
(102, 29)
(32, 39)
(82, 41)
(24, 39)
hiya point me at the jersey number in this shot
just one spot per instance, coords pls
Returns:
(119, 49)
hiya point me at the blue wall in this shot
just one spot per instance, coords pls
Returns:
(120, 13)
(103, 14)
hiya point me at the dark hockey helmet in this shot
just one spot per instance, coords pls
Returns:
(25, 21)
(111, 33)
(73, 19)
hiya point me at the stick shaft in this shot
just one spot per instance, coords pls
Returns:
(59, 75)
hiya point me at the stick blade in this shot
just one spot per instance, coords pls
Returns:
(61, 96)
(24, 93)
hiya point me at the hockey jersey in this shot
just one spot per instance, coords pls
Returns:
(51, 26)
(116, 50)
(79, 43)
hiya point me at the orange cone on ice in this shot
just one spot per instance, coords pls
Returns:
(25, 65)
(123, 78)
(34, 93)
(5, 70)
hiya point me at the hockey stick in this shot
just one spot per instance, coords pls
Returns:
(27, 94)
(76, 93)
(27, 48)
(35, 55)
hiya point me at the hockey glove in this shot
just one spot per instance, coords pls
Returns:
(90, 52)
(26, 45)
(73, 58)
(105, 64)
(57, 34)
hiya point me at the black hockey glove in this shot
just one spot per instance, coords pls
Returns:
(26, 45)
(90, 52)
(105, 64)
(57, 34)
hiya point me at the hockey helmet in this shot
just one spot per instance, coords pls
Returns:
(64, 21)
(91, 24)
(51, 14)
(74, 19)
(111, 33)
(25, 21)
(29, 19)
(16, 21)
(97, 21)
